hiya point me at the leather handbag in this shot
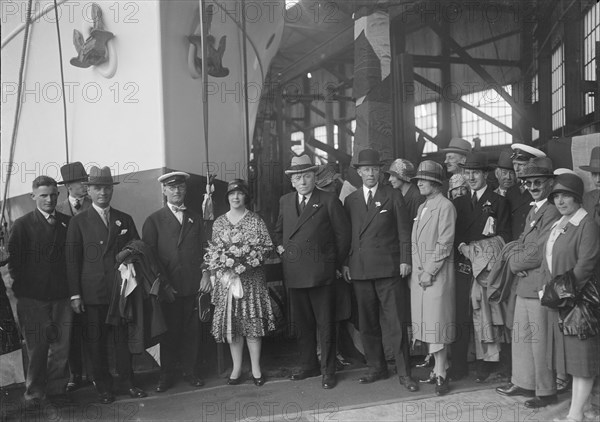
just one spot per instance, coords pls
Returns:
(560, 291)
(583, 319)
(204, 307)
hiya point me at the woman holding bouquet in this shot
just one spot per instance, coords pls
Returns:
(240, 243)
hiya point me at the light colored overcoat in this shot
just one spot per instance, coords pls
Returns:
(433, 309)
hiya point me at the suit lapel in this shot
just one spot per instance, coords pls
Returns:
(313, 205)
(186, 226)
(478, 211)
(374, 209)
(112, 230)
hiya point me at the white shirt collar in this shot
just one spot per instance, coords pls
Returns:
(45, 214)
(366, 191)
(307, 196)
(538, 204)
(480, 192)
(575, 218)
(99, 210)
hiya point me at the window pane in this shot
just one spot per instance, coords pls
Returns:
(558, 88)
(492, 104)
(591, 33)
(426, 120)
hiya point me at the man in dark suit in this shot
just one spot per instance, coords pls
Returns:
(73, 175)
(312, 234)
(379, 259)
(95, 237)
(518, 197)
(37, 267)
(482, 214)
(176, 233)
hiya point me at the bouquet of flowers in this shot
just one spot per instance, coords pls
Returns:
(232, 252)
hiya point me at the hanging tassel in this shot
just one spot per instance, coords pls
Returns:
(207, 205)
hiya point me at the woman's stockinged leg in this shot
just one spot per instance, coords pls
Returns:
(237, 349)
(254, 347)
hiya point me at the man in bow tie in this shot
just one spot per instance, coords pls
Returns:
(37, 267)
(73, 175)
(95, 237)
(176, 233)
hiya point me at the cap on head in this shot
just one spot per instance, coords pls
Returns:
(476, 161)
(368, 157)
(402, 169)
(522, 152)
(567, 183)
(301, 164)
(326, 174)
(504, 160)
(73, 172)
(594, 166)
(100, 177)
(456, 181)
(537, 167)
(173, 178)
(459, 146)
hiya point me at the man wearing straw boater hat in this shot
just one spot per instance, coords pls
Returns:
(530, 373)
(480, 215)
(73, 175)
(591, 199)
(176, 234)
(95, 237)
(379, 261)
(313, 238)
(518, 197)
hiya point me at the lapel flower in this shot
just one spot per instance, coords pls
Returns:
(190, 221)
(315, 205)
(377, 204)
(532, 223)
(63, 224)
(118, 223)
(487, 207)
(487, 204)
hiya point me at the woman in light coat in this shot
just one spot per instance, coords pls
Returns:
(432, 280)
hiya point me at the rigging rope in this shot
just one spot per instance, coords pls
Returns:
(62, 80)
(18, 107)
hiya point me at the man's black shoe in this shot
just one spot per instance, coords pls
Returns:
(375, 376)
(513, 390)
(136, 393)
(74, 384)
(164, 383)
(193, 380)
(299, 376)
(409, 383)
(106, 397)
(329, 382)
(541, 401)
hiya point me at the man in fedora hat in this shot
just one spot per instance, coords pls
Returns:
(313, 238)
(95, 237)
(73, 176)
(505, 173)
(379, 259)
(591, 199)
(518, 197)
(480, 215)
(530, 374)
(177, 235)
(400, 173)
(37, 266)
(456, 153)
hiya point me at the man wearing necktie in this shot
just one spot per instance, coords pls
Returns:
(37, 267)
(73, 175)
(95, 237)
(482, 215)
(378, 262)
(177, 235)
(313, 238)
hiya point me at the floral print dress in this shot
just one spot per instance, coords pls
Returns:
(251, 315)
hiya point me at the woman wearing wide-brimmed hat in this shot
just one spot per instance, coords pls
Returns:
(432, 280)
(573, 244)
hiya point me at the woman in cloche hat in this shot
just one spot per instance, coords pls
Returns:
(432, 279)
(573, 244)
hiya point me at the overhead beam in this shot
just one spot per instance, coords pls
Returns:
(431, 85)
(492, 39)
(339, 155)
(446, 38)
(337, 122)
(437, 61)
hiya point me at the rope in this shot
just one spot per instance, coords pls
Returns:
(62, 80)
(204, 31)
(245, 67)
(18, 107)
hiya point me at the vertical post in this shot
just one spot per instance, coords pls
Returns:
(446, 106)
(545, 86)
(574, 96)
(329, 123)
(522, 91)
(372, 84)
(597, 93)
(284, 141)
(404, 110)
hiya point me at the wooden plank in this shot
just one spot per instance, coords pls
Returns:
(436, 61)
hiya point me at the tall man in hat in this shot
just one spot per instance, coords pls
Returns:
(456, 153)
(73, 176)
(591, 199)
(177, 234)
(95, 237)
(505, 173)
(518, 197)
(481, 214)
(379, 259)
(313, 238)
(37, 266)
(530, 373)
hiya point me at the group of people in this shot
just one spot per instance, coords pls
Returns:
(435, 261)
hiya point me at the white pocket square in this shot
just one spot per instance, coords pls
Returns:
(123, 232)
(382, 211)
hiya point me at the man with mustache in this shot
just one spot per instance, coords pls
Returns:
(530, 374)
(505, 173)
